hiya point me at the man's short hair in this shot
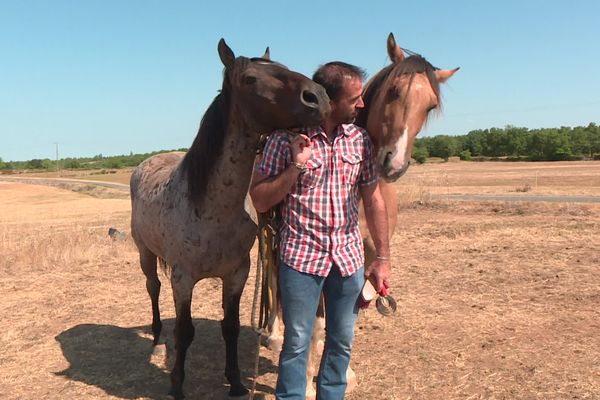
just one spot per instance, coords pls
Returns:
(333, 75)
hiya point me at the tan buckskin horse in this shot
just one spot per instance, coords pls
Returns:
(188, 209)
(398, 101)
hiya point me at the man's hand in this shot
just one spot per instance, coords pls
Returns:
(301, 149)
(379, 273)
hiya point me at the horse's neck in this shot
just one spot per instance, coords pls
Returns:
(229, 182)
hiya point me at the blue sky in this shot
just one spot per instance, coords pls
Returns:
(115, 77)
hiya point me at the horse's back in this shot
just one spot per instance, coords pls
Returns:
(153, 172)
(148, 185)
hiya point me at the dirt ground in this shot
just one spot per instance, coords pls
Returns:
(495, 300)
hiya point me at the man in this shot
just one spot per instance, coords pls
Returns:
(316, 178)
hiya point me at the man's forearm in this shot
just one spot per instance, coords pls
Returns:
(271, 191)
(377, 222)
(379, 271)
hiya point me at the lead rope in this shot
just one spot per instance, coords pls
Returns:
(257, 284)
(266, 261)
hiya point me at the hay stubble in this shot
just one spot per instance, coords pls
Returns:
(496, 301)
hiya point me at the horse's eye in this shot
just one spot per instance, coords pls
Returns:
(249, 80)
(432, 108)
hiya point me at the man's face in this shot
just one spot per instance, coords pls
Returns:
(345, 109)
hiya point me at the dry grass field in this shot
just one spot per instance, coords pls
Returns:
(495, 300)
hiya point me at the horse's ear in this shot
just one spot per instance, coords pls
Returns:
(443, 75)
(226, 54)
(394, 51)
(267, 55)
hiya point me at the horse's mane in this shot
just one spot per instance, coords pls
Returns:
(383, 81)
(207, 148)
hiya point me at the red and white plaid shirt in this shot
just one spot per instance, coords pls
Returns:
(320, 214)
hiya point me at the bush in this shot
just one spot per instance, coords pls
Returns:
(442, 146)
(523, 189)
(517, 158)
(113, 163)
(420, 154)
(36, 163)
(561, 155)
(71, 164)
(596, 156)
(465, 155)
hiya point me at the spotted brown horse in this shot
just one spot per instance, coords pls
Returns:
(188, 209)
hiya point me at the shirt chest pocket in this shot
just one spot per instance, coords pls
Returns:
(312, 176)
(351, 165)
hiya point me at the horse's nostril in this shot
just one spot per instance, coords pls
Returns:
(309, 98)
(387, 161)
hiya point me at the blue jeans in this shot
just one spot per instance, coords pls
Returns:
(300, 294)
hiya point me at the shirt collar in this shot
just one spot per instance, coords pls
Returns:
(347, 130)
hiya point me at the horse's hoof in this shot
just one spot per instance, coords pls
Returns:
(260, 396)
(176, 396)
(311, 393)
(263, 396)
(351, 380)
(241, 397)
(158, 357)
(275, 344)
(238, 392)
(159, 350)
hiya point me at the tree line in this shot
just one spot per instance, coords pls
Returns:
(509, 143)
(514, 144)
(97, 162)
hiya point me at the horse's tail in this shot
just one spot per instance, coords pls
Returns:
(166, 269)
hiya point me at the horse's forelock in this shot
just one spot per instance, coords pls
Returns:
(232, 74)
(384, 80)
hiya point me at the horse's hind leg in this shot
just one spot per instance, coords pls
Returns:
(184, 329)
(233, 286)
(148, 264)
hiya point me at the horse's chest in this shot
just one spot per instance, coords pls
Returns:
(211, 245)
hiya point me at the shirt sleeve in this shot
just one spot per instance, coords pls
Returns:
(276, 155)
(368, 172)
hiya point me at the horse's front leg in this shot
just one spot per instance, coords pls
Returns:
(184, 329)
(233, 286)
(275, 338)
(275, 324)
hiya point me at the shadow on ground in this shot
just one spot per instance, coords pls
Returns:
(118, 360)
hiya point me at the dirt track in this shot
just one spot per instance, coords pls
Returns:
(64, 181)
(453, 197)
